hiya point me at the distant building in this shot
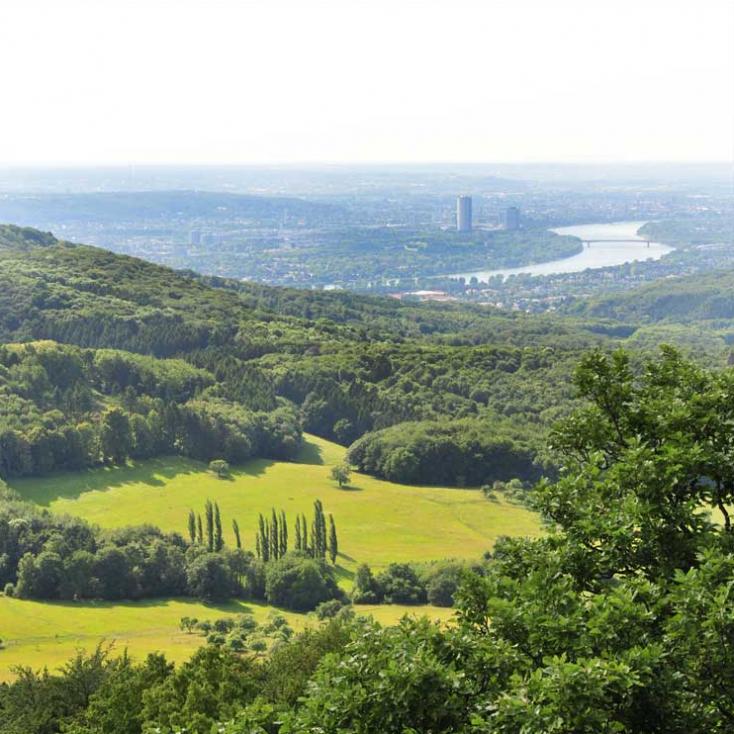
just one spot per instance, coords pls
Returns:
(463, 214)
(512, 218)
(194, 237)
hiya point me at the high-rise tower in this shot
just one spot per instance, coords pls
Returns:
(463, 214)
(512, 218)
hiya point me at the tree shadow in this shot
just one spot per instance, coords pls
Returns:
(310, 453)
(350, 488)
(342, 573)
(230, 606)
(155, 473)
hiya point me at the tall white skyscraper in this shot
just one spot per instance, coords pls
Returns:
(463, 214)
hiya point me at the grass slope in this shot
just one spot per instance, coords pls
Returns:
(377, 521)
(47, 634)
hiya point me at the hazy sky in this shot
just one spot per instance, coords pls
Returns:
(123, 81)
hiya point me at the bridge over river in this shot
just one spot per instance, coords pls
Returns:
(604, 245)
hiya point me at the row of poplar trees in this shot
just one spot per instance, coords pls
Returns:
(271, 538)
(213, 538)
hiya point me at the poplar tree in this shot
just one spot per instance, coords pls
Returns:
(209, 514)
(199, 530)
(258, 552)
(264, 540)
(218, 536)
(318, 531)
(298, 533)
(274, 536)
(192, 526)
(236, 531)
(283, 534)
(304, 531)
(333, 542)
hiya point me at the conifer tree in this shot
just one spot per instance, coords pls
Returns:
(304, 531)
(274, 536)
(264, 540)
(258, 552)
(333, 542)
(318, 531)
(283, 541)
(209, 515)
(199, 530)
(218, 536)
(236, 531)
(192, 526)
(298, 533)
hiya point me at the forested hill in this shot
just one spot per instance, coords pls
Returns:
(691, 299)
(349, 365)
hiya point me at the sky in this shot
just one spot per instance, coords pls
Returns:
(95, 82)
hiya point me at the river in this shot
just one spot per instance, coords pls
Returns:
(595, 255)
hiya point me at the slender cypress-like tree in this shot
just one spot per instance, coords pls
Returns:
(298, 533)
(283, 525)
(209, 515)
(236, 531)
(333, 542)
(274, 536)
(192, 526)
(199, 530)
(218, 536)
(318, 530)
(258, 552)
(264, 540)
(304, 531)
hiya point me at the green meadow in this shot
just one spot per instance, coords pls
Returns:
(46, 634)
(378, 522)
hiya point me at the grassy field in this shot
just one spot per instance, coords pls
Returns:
(377, 521)
(47, 634)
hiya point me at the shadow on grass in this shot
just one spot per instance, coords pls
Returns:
(310, 453)
(155, 473)
(233, 605)
(343, 573)
(350, 488)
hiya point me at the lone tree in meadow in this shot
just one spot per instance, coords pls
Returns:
(219, 467)
(341, 473)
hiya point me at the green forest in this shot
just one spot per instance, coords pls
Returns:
(619, 617)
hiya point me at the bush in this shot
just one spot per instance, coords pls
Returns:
(441, 586)
(366, 589)
(329, 609)
(209, 577)
(400, 585)
(299, 583)
(9, 589)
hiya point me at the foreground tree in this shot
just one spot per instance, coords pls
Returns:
(621, 619)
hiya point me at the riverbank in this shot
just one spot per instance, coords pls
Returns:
(615, 243)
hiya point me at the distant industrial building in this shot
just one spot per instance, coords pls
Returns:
(463, 214)
(512, 218)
